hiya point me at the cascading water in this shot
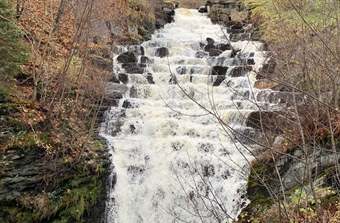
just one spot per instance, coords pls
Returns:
(174, 152)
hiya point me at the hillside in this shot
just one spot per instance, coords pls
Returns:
(55, 62)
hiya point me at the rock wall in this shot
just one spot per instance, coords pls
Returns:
(226, 12)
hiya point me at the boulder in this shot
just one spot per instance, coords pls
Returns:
(145, 60)
(134, 68)
(137, 49)
(164, 13)
(203, 9)
(149, 78)
(122, 77)
(127, 57)
(200, 54)
(162, 52)
(234, 52)
(240, 71)
(219, 79)
(208, 47)
(181, 70)
(210, 41)
(219, 70)
(215, 52)
(223, 46)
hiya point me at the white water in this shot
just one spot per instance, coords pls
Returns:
(173, 161)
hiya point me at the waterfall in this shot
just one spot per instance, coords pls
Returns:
(174, 149)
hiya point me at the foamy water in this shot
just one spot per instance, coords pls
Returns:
(176, 161)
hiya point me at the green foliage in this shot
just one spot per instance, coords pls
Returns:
(12, 51)
(318, 14)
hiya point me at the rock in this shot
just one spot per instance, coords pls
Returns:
(127, 57)
(223, 46)
(137, 49)
(215, 52)
(208, 47)
(200, 54)
(250, 61)
(145, 60)
(219, 79)
(203, 9)
(210, 41)
(240, 71)
(162, 52)
(20, 173)
(122, 77)
(134, 68)
(234, 52)
(181, 70)
(149, 78)
(113, 78)
(114, 92)
(234, 31)
(164, 13)
(219, 70)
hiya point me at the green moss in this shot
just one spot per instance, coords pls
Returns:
(68, 198)
(77, 198)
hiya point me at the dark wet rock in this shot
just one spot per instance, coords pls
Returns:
(210, 41)
(162, 52)
(250, 61)
(137, 49)
(223, 46)
(201, 54)
(123, 78)
(181, 70)
(173, 80)
(127, 104)
(219, 70)
(234, 52)
(219, 79)
(113, 78)
(234, 31)
(127, 57)
(240, 71)
(133, 92)
(208, 170)
(145, 60)
(237, 26)
(149, 78)
(203, 9)
(215, 52)
(209, 47)
(164, 13)
(114, 92)
(134, 68)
